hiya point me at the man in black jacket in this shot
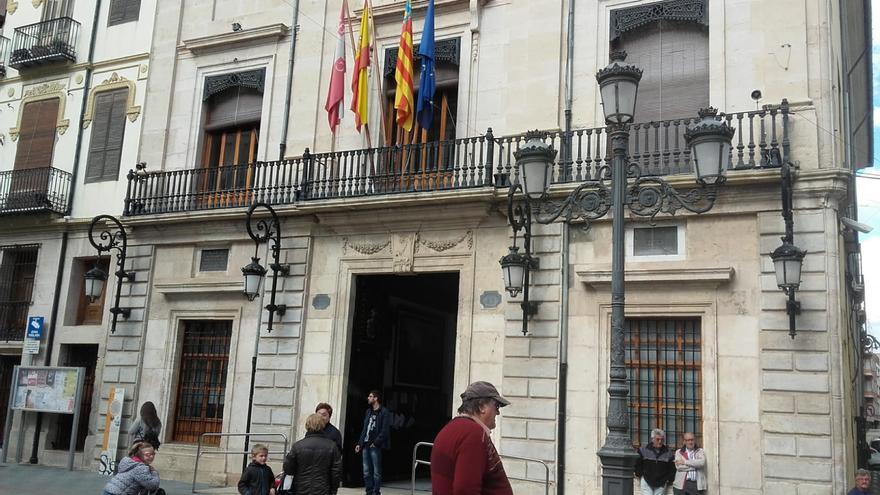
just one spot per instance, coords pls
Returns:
(375, 437)
(314, 462)
(656, 464)
(330, 431)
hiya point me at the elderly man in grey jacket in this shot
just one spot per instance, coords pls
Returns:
(690, 468)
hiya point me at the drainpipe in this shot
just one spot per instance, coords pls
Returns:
(50, 340)
(282, 146)
(79, 138)
(563, 310)
(87, 85)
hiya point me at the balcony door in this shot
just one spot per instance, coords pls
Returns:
(53, 9)
(33, 156)
(232, 132)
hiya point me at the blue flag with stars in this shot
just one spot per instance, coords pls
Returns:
(427, 81)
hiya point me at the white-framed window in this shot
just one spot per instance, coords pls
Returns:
(664, 241)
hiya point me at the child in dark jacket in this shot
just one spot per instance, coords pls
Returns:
(257, 478)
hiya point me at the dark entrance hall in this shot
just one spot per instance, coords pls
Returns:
(402, 344)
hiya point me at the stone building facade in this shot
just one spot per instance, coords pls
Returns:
(393, 245)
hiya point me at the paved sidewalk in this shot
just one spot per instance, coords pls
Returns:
(28, 479)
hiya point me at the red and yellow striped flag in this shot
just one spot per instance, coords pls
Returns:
(403, 75)
(361, 72)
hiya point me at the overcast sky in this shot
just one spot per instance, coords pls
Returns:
(869, 196)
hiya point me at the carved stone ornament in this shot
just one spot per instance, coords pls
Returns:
(45, 91)
(11, 7)
(623, 20)
(36, 3)
(447, 244)
(444, 51)
(365, 248)
(114, 82)
(403, 252)
(251, 79)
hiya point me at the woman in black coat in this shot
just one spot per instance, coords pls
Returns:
(314, 462)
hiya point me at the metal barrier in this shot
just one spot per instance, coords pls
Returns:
(199, 448)
(417, 461)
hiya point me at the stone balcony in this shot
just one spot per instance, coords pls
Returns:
(485, 161)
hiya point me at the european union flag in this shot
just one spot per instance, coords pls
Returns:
(427, 82)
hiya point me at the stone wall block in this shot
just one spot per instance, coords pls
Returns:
(813, 404)
(780, 445)
(805, 341)
(544, 347)
(530, 367)
(531, 409)
(814, 447)
(121, 359)
(285, 378)
(780, 488)
(542, 430)
(811, 361)
(776, 360)
(266, 397)
(281, 416)
(264, 378)
(111, 376)
(530, 448)
(516, 347)
(259, 414)
(276, 363)
(777, 402)
(797, 469)
(268, 347)
(115, 343)
(795, 381)
(131, 343)
(807, 321)
(127, 375)
(514, 387)
(515, 428)
(544, 388)
(810, 489)
(294, 243)
(802, 424)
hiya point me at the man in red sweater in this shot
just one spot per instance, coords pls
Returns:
(464, 460)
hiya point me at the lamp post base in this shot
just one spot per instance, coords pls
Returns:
(617, 470)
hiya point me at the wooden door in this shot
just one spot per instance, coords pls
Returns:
(228, 167)
(426, 159)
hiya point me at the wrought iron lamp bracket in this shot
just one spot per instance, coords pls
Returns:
(113, 239)
(268, 230)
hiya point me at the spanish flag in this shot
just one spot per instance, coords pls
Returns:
(403, 75)
(361, 72)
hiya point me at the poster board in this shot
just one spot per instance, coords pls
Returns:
(110, 442)
(45, 389)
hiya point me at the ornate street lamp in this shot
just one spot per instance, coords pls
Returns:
(262, 230)
(616, 186)
(107, 240)
(788, 258)
(513, 268)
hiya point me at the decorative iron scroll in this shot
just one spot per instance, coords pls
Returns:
(623, 20)
(444, 51)
(252, 79)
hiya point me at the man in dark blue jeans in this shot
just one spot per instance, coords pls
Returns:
(375, 437)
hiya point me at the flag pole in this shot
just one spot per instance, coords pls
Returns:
(379, 78)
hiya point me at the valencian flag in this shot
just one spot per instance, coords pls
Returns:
(403, 75)
(337, 76)
(427, 82)
(361, 72)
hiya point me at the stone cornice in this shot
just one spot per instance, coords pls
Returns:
(394, 11)
(272, 32)
(197, 286)
(678, 272)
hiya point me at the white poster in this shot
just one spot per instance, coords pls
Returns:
(107, 461)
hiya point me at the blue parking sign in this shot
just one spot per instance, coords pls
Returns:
(35, 327)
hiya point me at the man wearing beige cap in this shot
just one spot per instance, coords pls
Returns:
(464, 460)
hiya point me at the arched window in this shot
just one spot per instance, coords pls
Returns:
(669, 41)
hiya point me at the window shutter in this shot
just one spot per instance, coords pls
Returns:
(108, 131)
(233, 107)
(675, 59)
(122, 11)
(37, 135)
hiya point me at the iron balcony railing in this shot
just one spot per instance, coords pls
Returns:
(13, 320)
(467, 163)
(44, 42)
(36, 189)
(4, 55)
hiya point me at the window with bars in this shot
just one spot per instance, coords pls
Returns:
(201, 387)
(18, 269)
(108, 132)
(663, 368)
